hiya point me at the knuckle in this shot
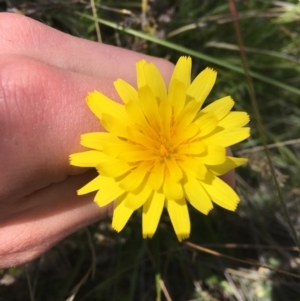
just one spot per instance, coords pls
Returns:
(20, 81)
(16, 31)
(21, 95)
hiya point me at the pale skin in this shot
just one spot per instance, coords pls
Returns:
(44, 78)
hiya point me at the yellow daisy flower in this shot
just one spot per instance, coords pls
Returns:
(162, 148)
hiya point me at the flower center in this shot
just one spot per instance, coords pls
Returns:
(164, 151)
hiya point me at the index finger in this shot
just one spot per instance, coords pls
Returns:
(24, 36)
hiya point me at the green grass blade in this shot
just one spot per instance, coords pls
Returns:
(187, 51)
(259, 120)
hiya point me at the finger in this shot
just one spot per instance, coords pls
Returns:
(22, 35)
(42, 115)
(30, 233)
(229, 178)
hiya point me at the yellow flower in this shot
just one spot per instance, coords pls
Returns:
(162, 148)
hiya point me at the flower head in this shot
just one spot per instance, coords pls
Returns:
(162, 148)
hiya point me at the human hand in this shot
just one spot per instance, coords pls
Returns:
(44, 78)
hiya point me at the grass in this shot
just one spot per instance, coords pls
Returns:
(250, 254)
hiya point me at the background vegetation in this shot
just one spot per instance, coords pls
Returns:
(250, 254)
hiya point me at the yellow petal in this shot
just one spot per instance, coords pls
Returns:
(152, 211)
(135, 178)
(114, 125)
(155, 81)
(137, 155)
(182, 71)
(193, 167)
(172, 190)
(188, 114)
(229, 164)
(220, 108)
(184, 135)
(138, 198)
(91, 186)
(125, 91)
(157, 174)
(180, 219)
(234, 119)
(214, 155)
(135, 114)
(228, 137)
(165, 112)
(140, 74)
(121, 214)
(149, 106)
(207, 122)
(221, 193)
(115, 149)
(196, 195)
(88, 159)
(100, 104)
(108, 192)
(140, 139)
(202, 85)
(193, 148)
(114, 168)
(97, 140)
(177, 96)
(174, 170)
